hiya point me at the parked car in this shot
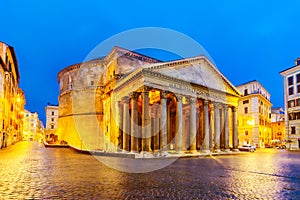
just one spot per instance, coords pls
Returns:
(247, 147)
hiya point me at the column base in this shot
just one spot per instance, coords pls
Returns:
(207, 151)
(193, 151)
(235, 150)
(125, 151)
(180, 152)
(134, 151)
(227, 150)
(217, 151)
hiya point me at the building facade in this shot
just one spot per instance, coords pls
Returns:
(133, 103)
(51, 123)
(33, 128)
(254, 111)
(12, 99)
(277, 124)
(291, 85)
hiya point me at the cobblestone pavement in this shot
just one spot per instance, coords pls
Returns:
(30, 171)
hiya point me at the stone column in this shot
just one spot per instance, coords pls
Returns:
(126, 121)
(178, 140)
(156, 128)
(200, 131)
(226, 128)
(235, 130)
(163, 121)
(211, 128)
(217, 127)
(134, 123)
(146, 122)
(120, 122)
(222, 137)
(168, 123)
(205, 146)
(193, 125)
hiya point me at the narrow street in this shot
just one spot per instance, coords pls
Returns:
(31, 171)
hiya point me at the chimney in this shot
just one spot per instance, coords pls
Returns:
(297, 61)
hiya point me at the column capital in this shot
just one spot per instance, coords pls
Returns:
(192, 100)
(145, 89)
(205, 102)
(163, 94)
(125, 99)
(225, 105)
(216, 104)
(179, 97)
(233, 109)
(134, 95)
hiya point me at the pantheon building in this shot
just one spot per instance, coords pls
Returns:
(129, 102)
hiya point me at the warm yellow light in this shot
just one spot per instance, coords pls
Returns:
(18, 99)
(250, 122)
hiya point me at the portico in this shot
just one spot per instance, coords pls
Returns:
(172, 114)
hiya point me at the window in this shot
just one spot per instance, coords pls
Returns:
(246, 110)
(52, 127)
(245, 92)
(246, 101)
(291, 90)
(52, 119)
(92, 83)
(246, 132)
(52, 112)
(298, 88)
(298, 78)
(297, 115)
(291, 103)
(293, 130)
(290, 80)
(297, 102)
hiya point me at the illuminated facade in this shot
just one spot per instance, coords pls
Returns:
(51, 123)
(254, 111)
(12, 98)
(291, 83)
(33, 128)
(133, 103)
(277, 123)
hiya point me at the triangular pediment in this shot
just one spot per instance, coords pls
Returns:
(197, 70)
(126, 60)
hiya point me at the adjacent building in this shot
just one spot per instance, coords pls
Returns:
(254, 115)
(277, 124)
(33, 128)
(51, 123)
(291, 83)
(130, 102)
(12, 99)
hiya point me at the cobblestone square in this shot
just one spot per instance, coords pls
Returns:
(31, 171)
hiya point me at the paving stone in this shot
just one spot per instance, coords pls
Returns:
(28, 170)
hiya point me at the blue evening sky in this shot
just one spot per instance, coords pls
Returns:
(247, 40)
